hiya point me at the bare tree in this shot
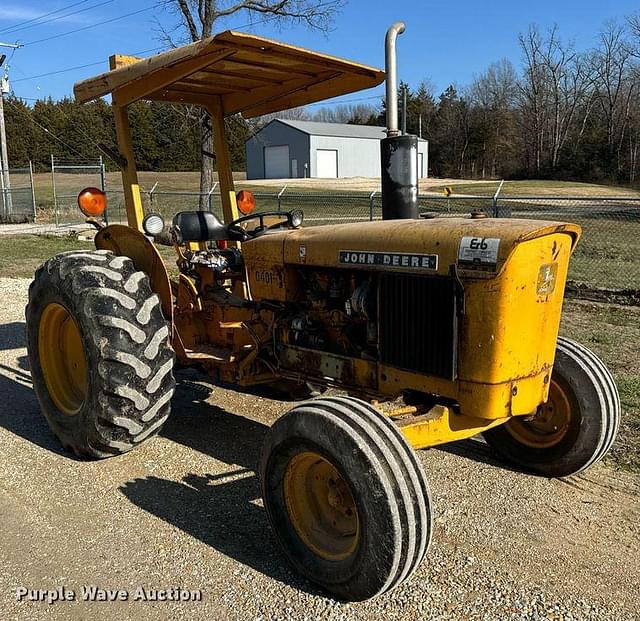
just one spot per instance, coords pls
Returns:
(634, 26)
(199, 18)
(556, 85)
(534, 94)
(569, 78)
(615, 82)
(357, 114)
(493, 95)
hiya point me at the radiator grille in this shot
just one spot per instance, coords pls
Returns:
(418, 323)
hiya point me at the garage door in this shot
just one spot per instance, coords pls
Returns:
(327, 163)
(276, 162)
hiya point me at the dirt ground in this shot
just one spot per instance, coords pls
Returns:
(184, 510)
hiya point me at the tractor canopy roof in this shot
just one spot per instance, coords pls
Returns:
(249, 74)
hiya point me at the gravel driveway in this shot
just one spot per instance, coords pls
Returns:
(184, 511)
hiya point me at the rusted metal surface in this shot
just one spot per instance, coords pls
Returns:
(331, 368)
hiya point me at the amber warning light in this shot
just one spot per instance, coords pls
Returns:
(92, 202)
(246, 202)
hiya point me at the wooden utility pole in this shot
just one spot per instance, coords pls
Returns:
(5, 186)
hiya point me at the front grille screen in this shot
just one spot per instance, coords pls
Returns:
(418, 323)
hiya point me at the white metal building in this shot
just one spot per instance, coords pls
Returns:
(286, 149)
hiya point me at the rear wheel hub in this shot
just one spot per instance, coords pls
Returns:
(62, 358)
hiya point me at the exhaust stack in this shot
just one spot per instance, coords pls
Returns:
(399, 153)
(391, 68)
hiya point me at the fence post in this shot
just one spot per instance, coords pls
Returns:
(103, 187)
(371, 196)
(210, 196)
(53, 186)
(280, 197)
(151, 191)
(495, 200)
(33, 190)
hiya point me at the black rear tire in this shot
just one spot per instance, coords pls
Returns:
(127, 352)
(594, 405)
(387, 485)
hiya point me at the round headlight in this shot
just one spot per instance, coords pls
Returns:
(153, 224)
(297, 217)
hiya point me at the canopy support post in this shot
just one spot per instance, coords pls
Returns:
(223, 161)
(132, 197)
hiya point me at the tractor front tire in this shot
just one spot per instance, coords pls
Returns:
(575, 428)
(100, 355)
(346, 497)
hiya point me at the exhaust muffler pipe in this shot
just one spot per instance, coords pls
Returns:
(391, 67)
(399, 153)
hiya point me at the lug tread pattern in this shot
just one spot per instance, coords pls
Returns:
(133, 375)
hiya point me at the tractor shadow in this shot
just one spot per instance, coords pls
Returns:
(13, 335)
(19, 409)
(223, 510)
(210, 429)
(476, 449)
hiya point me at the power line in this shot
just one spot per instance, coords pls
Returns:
(43, 75)
(55, 19)
(99, 62)
(33, 19)
(102, 23)
(344, 101)
(76, 127)
(44, 129)
(94, 64)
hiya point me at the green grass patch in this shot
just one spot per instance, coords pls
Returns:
(21, 255)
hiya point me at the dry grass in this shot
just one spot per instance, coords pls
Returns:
(539, 188)
(190, 182)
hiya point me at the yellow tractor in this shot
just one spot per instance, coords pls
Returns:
(437, 329)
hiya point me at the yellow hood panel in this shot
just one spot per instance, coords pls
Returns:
(322, 245)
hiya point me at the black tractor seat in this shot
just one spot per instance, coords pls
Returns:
(199, 226)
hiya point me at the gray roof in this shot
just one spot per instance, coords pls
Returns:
(341, 130)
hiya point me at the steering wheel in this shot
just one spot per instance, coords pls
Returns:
(244, 235)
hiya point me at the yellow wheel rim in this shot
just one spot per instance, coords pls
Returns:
(62, 359)
(321, 507)
(549, 426)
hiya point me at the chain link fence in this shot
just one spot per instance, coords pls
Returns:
(68, 177)
(607, 255)
(606, 258)
(17, 201)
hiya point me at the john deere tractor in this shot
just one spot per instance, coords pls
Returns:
(431, 330)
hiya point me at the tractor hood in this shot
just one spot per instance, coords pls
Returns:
(419, 246)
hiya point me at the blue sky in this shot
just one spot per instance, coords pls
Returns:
(446, 42)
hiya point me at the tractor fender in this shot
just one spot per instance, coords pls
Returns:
(125, 241)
